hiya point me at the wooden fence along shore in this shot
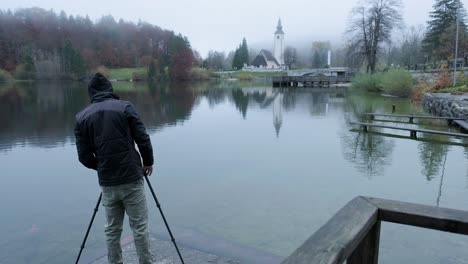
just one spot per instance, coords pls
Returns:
(353, 234)
(309, 81)
(460, 121)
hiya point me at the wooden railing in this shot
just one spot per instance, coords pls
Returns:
(413, 130)
(353, 234)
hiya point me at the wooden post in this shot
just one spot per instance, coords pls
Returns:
(411, 120)
(367, 252)
(393, 108)
(364, 128)
(413, 134)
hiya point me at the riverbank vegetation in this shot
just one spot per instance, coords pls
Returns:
(394, 82)
(442, 84)
(400, 83)
(5, 77)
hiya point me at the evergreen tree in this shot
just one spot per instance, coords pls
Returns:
(73, 65)
(244, 53)
(152, 71)
(241, 56)
(443, 18)
(317, 60)
(236, 65)
(26, 70)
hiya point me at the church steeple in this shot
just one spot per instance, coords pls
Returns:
(278, 113)
(279, 28)
(278, 47)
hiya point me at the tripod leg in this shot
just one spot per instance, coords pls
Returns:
(164, 218)
(89, 228)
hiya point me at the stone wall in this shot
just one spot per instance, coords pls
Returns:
(445, 104)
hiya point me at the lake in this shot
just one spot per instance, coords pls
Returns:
(256, 167)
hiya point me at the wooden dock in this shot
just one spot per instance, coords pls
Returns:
(463, 124)
(309, 81)
(353, 233)
(413, 131)
(412, 117)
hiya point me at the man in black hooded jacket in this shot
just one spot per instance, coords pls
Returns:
(106, 132)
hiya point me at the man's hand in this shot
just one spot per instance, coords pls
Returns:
(148, 170)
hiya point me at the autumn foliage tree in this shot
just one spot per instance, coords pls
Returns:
(58, 46)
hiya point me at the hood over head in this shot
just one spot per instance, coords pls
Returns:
(98, 84)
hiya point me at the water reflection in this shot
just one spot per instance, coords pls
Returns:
(432, 157)
(369, 153)
(42, 114)
(232, 156)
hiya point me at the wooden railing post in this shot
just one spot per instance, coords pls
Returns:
(367, 252)
(353, 233)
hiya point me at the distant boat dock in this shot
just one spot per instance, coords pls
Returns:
(314, 78)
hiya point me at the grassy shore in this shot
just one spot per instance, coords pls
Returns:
(247, 75)
(126, 73)
(455, 90)
(394, 82)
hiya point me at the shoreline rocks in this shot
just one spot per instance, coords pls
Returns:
(446, 104)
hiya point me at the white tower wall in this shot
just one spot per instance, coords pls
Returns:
(278, 48)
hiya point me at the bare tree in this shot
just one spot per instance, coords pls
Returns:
(319, 53)
(372, 23)
(215, 60)
(290, 56)
(411, 46)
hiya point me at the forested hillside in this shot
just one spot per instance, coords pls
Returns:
(40, 44)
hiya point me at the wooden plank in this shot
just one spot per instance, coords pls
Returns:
(417, 116)
(334, 242)
(442, 219)
(368, 250)
(445, 142)
(462, 123)
(412, 129)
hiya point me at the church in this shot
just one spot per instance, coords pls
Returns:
(272, 60)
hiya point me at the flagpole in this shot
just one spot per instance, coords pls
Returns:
(456, 45)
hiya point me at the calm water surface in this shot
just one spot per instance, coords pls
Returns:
(239, 162)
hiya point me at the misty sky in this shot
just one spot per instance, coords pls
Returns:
(221, 24)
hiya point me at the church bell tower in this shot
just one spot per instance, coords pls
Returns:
(278, 48)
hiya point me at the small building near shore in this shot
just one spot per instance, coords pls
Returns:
(265, 59)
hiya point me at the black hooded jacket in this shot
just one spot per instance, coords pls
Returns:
(106, 132)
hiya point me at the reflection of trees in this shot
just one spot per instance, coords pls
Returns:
(358, 103)
(215, 96)
(41, 111)
(241, 101)
(289, 100)
(466, 154)
(43, 114)
(432, 157)
(259, 97)
(369, 153)
(318, 103)
(162, 103)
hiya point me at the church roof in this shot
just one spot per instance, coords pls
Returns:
(279, 28)
(263, 57)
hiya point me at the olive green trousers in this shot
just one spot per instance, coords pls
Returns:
(126, 198)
